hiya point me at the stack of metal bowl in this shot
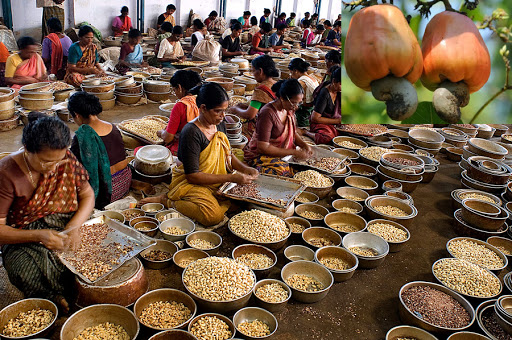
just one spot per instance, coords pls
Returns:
(234, 131)
(503, 310)
(454, 136)
(409, 176)
(229, 70)
(427, 140)
(486, 174)
(485, 131)
(469, 129)
(382, 200)
(7, 103)
(157, 90)
(459, 195)
(483, 147)
(480, 219)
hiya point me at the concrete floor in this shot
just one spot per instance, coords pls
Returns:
(366, 306)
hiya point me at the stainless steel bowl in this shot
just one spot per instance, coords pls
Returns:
(97, 314)
(505, 243)
(361, 169)
(486, 245)
(341, 203)
(367, 240)
(299, 253)
(189, 254)
(312, 269)
(249, 314)
(144, 224)
(219, 316)
(313, 233)
(162, 245)
(271, 306)
(312, 198)
(316, 208)
(25, 305)
(336, 220)
(152, 209)
(209, 236)
(363, 183)
(349, 192)
(132, 210)
(342, 253)
(409, 332)
(393, 246)
(174, 334)
(164, 294)
(256, 249)
(183, 223)
(464, 229)
(467, 336)
(486, 306)
(113, 215)
(298, 220)
(374, 201)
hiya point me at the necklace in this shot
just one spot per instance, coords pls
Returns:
(29, 171)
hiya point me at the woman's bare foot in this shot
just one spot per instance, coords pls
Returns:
(62, 304)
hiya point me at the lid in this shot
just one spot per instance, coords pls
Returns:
(153, 154)
(239, 60)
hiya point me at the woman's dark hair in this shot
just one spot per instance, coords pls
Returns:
(293, 15)
(171, 6)
(166, 27)
(134, 33)
(85, 30)
(44, 132)
(306, 23)
(213, 14)
(333, 56)
(198, 24)
(306, 14)
(266, 11)
(287, 88)
(299, 64)
(236, 26)
(282, 15)
(337, 23)
(54, 24)
(124, 9)
(210, 94)
(254, 20)
(315, 15)
(327, 23)
(24, 42)
(336, 75)
(84, 104)
(320, 27)
(187, 79)
(266, 27)
(281, 27)
(265, 63)
(247, 13)
(177, 30)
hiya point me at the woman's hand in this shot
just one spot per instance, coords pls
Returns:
(74, 240)
(156, 199)
(302, 153)
(159, 133)
(52, 239)
(252, 172)
(241, 178)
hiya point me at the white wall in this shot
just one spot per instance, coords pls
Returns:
(235, 9)
(201, 7)
(304, 6)
(257, 6)
(153, 8)
(27, 19)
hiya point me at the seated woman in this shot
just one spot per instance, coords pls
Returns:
(276, 132)
(184, 111)
(55, 49)
(167, 16)
(4, 54)
(231, 44)
(207, 161)
(166, 31)
(255, 28)
(131, 52)
(332, 59)
(211, 18)
(281, 19)
(26, 66)
(121, 23)
(170, 49)
(43, 191)
(277, 39)
(334, 36)
(315, 38)
(245, 21)
(263, 69)
(82, 58)
(200, 32)
(307, 31)
(99, 146)
(327, 112)
(260, 43)
(298, 70)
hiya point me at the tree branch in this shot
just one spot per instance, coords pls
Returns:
(425, 6)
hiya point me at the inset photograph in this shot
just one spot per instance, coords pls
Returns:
(426, 62)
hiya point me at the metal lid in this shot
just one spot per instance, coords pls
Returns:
(153, 154)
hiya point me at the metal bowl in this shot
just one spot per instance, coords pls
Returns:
(162, 245)
(504, 306)
(255, 249)
(486, 148)
(275, 245)
(374, 201)
(335, 219)
(97, 314)
(457, 201)
(209, 236)
(501, 242)
(219, 316)
(407, 186)
(393, 246)
(323, 191)
(392, 185)
(352, 155)
(409, 317)
(152, 209)
(298, 253)
(186, 255)
(349, 192)
(144, 224)
(271, 306)
(312, 198)
(482, 207)
(464, 229)
(167, 214)
(454, 154)
(13, 310)
(320, 232)
(399, 332)
(363, 183)
(477, 218)
(486, 245)
(339, 204)
(403, 147)
(385, 160)
(501, 317)
(132, 210)
(298, 220)
(183, 223)
(426, 138)
(467, 336)
(174, 334)
(484, 307)
(400, 195)
(249, 314)
(316, 208)
(312, 269)
(148, 219)
(367, 240)
(113, 215)
(338, 252)
(164, 294)
(338, 140)
(361, 169)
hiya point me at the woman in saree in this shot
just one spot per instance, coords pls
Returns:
(327, 111)
(26, 66)
(131, 52)
(263, 69)
(298, 70)
(55, 49)
(44, 199)
(170, 49)
(82, 58)
(99, 146)
(276, 132)
(184, 111)
(206, 162)
(121, 23)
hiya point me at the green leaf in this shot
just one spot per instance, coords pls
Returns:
(425, 114)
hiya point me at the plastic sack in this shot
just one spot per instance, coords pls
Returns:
(207, 50)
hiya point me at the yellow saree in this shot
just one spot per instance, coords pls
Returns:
(196, 201)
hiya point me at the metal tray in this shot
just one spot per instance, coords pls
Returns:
(121, 234)
(383, 129)
(121, 127)
(275, 187)
(318, 153)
